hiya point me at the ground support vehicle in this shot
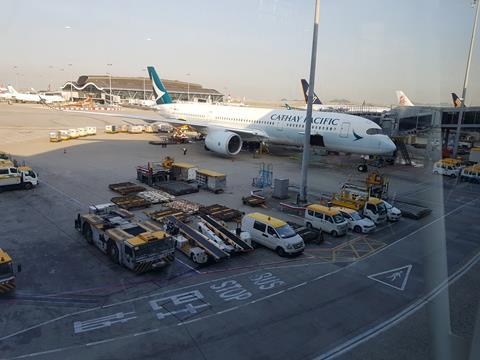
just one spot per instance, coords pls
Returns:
(239, 242)
(357, 222)
(370, 207)
(12, 177)
(7, 276)
(471, 174)
(273, 233)
(393, 213)
(325, 218)
(195, 245)
(139, 246)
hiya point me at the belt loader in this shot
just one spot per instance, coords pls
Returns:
(139, 246)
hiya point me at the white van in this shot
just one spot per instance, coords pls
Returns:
(356, 222)
(393, 213)
(446, 169)
(326, 219)
(273, 233)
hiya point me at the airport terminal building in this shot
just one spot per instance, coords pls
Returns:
(133, 89)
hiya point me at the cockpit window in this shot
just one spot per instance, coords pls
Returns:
(373, 131)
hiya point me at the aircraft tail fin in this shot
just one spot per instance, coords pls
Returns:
(403, 100)
(161, 94)
(456, 100)
(11, 90)
(316, 100)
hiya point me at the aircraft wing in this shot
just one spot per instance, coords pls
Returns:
(200, 126)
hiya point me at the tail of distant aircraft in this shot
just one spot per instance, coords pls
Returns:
(161, 94)
(456, 100)
(11, 90)
(316, 100)
(403, 100)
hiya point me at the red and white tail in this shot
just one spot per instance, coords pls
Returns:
(403, 100)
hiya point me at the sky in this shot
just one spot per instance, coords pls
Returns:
(257, 49)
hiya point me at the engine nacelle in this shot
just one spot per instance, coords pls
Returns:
(224, 142)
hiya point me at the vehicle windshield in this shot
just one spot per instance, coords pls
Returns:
(381, 208)
(388, 205)
(338, 218)
(6, 269)
(285, 231)
(356, 216)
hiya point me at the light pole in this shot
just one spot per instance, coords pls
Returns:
(71, 86)
(144, 75)
(308, 117)
(188, 87)
(110, 80)
(16, 76)
(465, 81)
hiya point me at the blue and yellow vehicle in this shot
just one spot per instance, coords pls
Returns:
(7, 276)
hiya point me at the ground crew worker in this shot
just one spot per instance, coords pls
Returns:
(184, 151)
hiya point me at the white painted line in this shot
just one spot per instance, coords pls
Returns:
(186, 265)
(267, 297)
(297, 286)
(402, 315)
(147, 332)
(227, 310)
(62, 193)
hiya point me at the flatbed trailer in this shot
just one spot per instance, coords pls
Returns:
(126, 188)
(130, 202)
(253, 200)
(161, 215)
(226, 235)
(197, 240)
(186, 206)
(176, 188)
(412, 211)
(221, 212)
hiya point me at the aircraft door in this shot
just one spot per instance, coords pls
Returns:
(344, 129)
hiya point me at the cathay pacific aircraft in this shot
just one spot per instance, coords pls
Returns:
(226, 127)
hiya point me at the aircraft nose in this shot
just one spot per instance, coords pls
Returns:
(388, 146)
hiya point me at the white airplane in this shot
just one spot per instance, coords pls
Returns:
(350, 108)
(24, 97)
(403, 100)
(226, 127)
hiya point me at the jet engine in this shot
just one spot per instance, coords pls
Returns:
(223, 142)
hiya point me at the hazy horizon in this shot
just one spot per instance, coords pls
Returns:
(257, 49)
